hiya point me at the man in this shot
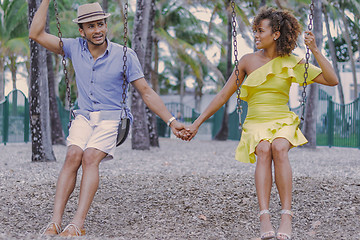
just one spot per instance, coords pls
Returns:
(92, 136)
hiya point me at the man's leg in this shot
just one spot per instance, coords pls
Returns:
(65, 184)
(89, 183)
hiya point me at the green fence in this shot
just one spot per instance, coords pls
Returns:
(336, 125)
(14, 121)
(339, 125)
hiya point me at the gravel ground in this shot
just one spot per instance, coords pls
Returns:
(183, 190)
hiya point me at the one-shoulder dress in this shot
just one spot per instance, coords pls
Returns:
(266, 90)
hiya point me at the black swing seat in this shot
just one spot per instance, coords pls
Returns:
(123, 131)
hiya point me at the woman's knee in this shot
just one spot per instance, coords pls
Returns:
(263, 151)
(263, 148)
(280, 146)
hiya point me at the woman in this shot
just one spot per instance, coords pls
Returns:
(270, 128)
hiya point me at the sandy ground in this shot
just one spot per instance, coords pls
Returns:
(183, 190)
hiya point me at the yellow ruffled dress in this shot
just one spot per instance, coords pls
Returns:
(266, 90)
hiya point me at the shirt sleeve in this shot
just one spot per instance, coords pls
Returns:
(313, 72)
(134, 70)
(68, 43)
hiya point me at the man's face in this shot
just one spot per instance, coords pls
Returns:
(94, 32)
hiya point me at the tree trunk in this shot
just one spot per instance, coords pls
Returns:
(333, 54)
(312, 100)
(2, 80)
(357, 19)
(182, 84)
(57, 133)
(28, 70)
(56, 74)
(347, 38)
(198, 96)
(155, 72)
(39, 99)
(223, 133)
(140, 130)
(152, 121)
(105, 5)
(13, 70)
(262, 3)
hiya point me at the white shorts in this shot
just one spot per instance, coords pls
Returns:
(94, 133)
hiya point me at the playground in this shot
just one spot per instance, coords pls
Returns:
(183, 190)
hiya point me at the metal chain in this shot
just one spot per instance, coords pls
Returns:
(61, 44)
(238, 89)
(124, 86)
(306, 74)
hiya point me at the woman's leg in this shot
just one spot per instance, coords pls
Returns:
(283, 179)
(263, 182)
(66, 181)
(89, 183)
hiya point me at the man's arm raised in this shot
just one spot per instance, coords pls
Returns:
(37, 30)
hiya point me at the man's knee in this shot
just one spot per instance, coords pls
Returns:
(73, 157)
(92, 157)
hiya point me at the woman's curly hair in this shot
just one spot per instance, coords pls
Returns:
(284, 22)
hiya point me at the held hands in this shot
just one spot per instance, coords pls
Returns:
(191, 132)
(309, 39)
(179, 130)
(183, 132)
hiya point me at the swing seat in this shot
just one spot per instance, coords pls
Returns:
(123, 131)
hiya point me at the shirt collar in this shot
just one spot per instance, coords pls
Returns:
(85, 45)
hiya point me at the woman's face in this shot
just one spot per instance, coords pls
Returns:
(264, 37)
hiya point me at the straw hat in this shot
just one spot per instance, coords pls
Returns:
(90, 12)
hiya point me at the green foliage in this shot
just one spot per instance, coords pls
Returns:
(14, 19)
(62, 92)
(341, 48)
(13, 28)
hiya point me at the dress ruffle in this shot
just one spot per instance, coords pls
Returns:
(282, 67)
(254, 133)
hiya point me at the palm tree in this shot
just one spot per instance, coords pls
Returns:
(13, 38)
(105, 5)
(68, 29)
(176, 26)
(312, 99)
(141, 38)
(39, 99)
(224, 130)
(332, 51)
(223, 10)
(343, 6)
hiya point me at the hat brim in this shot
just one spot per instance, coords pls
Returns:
(91, 19)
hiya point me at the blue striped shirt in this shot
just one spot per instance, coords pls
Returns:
(99, 82)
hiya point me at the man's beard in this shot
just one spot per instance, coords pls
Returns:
(95, 44)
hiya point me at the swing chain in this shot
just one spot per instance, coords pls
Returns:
(306, 74)
(238, 90)
(61, 44)
(124, 86)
